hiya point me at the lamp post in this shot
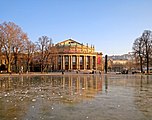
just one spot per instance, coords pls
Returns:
(106, 63)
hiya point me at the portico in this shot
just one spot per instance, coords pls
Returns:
(77, 61)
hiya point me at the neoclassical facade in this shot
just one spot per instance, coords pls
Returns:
(72, 55)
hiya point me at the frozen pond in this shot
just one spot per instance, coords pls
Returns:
(76, 97)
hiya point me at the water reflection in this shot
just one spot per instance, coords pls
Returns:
(18, 95)
(106, 83)
(143, 98)
(78, 97)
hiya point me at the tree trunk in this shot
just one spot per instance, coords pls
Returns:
(147, 63)
(141, 67)
(27, 67)
(9, 67)
(16, 66)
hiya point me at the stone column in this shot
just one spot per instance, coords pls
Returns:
(69, 62)
(78, 62)
(87, 59)
(91, 62)
(63, 64)
(84, 62)
(56, 62)
(88, 62)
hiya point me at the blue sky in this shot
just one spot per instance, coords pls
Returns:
(110, 25)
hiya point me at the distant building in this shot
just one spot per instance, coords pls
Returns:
(117, 63)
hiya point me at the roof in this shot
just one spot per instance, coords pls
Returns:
(69, 42)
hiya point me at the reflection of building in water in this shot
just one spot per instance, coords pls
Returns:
(84, 86)
(73, 55)
(70, 87)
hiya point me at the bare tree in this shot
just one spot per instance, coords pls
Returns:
(44, 44)
(30, 49)
(12, 39)
(139, 51)
(147, 41)
(142, 48)
(1, 46)
(18, 47)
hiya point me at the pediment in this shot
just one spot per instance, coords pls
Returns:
(68, 42)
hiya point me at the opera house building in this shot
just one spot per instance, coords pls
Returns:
(73, 55)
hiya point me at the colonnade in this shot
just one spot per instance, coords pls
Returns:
(76, 62)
